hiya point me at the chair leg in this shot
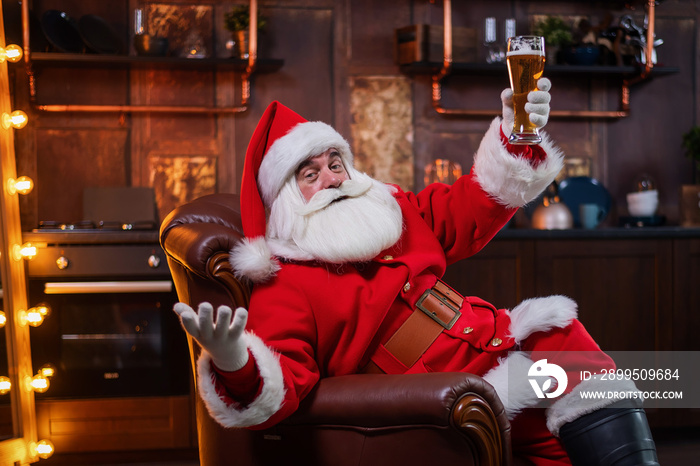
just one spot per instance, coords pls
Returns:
(617, 435)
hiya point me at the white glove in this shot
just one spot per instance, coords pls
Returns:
(537, 106)
(222, 340)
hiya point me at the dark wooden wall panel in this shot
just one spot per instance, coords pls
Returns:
(502, 273)
(686, 300)
(600, 276)
(70, 160)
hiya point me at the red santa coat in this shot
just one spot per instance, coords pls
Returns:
(316, 320)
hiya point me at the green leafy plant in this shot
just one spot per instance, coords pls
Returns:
(691, 144)
(555, 30)
(238, 19)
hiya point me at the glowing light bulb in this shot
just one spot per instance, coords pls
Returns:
(38, 383)
(5, 385)
(42, 309)
(43, 449)
(47, 370)
(3, 319)
(22, 185)
(11, 53)
(25, 251)
(17, 119)
(32, 317)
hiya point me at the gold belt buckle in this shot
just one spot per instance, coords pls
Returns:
(432, 314)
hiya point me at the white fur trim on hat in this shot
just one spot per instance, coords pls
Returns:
(572, 405)
(541, 315)
(251, 258)
(510, 380)
(512, 180)
(286, 153)
(263, 407)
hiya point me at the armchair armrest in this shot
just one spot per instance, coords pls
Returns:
(376, 401)
(197, 238)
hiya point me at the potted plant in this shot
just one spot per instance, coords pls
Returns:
(556, 33)
(237, 21)
(690, 193)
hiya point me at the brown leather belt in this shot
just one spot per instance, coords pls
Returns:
(436, 310)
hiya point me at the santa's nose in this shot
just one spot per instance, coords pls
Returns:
(330, 179)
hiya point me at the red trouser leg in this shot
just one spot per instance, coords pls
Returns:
(532, 441)
(574, 350)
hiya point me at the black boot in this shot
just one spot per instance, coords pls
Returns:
(618, 435)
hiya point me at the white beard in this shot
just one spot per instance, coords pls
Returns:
(353, 223)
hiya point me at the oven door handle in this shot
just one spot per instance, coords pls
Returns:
(146, 286)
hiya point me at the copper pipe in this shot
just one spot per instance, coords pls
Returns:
(245, 80)
(136, 108)
(447, 41)
(651, 13)
(560, 114)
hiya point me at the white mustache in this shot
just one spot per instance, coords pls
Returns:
(325, 197)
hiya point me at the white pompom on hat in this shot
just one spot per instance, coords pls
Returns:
(280, 143)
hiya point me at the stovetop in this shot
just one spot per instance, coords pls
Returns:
(89, 232)
(85, 225)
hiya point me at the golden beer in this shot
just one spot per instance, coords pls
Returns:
(525, 67)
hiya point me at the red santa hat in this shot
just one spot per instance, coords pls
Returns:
(280, 143)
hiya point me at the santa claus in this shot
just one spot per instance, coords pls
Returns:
(346, 274)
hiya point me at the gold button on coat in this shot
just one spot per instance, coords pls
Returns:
(496, 342)
(388, 258)
(467, 330)
(407, 287)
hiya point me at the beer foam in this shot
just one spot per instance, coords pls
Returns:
(525, 52)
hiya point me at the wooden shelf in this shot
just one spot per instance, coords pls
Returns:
(431, 68)
(95, 60)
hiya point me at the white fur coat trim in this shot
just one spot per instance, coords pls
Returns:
(510, 380)
(251, 258)
(511, 180)
(510, 377)
(572, 406)
(541, 315)
(263, 407)
(287, 152)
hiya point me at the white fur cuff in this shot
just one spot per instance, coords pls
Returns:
(541, 315)
(511, 180)
(263, 407)
(510, 379)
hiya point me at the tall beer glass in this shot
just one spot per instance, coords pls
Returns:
(525, 56)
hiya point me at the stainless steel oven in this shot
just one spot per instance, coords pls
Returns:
(111, 331)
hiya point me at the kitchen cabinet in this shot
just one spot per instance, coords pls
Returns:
(636, 289)
(101, 425)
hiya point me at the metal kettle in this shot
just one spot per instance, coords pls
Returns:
(552, 214)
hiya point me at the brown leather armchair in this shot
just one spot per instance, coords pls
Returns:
(419, 419)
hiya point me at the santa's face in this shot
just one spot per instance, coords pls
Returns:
(351, 222)
(323, 171)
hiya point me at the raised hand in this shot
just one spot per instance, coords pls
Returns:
(221, 339)
(537, 106)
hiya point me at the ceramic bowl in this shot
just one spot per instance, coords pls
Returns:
(643, 203)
